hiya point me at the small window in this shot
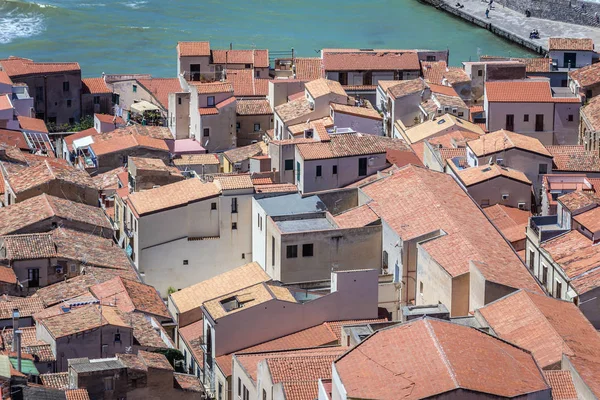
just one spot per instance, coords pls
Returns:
(273, 251)
(65, 86)
(71, 121)
(292, 251)
(544, 274)
(421, 288)
(588, 94)
(461, 114)
(237, 125)
(334, 171)
(430, 58)
(480, 72)
(179, 100)
(558, 293)
(234, 205)
(256, 127)
(134, 88)
(108, 384)
(186, 262)
(234, 226)
(118, 337)
(289, 165)
(210, 101)
(385, 259)
(543, 169)
(319, 170)
(206, 132)
(213, 206)
(570, 118)
(69, 103)
(239, 387)
(96, 99)
(247, 66)
(264, 397)
(257, 74)
(307, 250)
(526, 118)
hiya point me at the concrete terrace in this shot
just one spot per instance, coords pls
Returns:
(516, 24)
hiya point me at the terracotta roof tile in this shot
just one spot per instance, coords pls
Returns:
(188, 383)
(156, 132)
(94, 86)
(18, 67)
(109, 119)
(576, 44)
(208, 111)
(197, 159)
(213, 87)
(7, 275)
(299, 128)
(301, 390)
(512, 222)
(82, 319)
(579, 199)
(27, 306)
(356, 111)
(321, 87)
(77, 394)
(32, 124)
(356, 217)
(81, 134)
(336, 326)
(403, 88)
(370, 370)
(111, 144)
(309, 68)
(483, 173)
(276, 188)
(13, 138)
(591, 112)
(376, 60)
(37, 209)
(536, 64)
(193, 49)
(415, 201)
(562, 385)
(590, 219)
(442, 89)
(455, 75)
(293, 109)
(58, 380)
(586, 76)
(504, 140)
(29, 246)
(192, 336)
(524, 91)
(173, 195)
(46, 171)
(253, 107)
(234, 181)
(574, 159)
(5, 79)
(548, 328)
(155, 360)
(257, 58)
(348, 144)
(240, 154)
(433, 71)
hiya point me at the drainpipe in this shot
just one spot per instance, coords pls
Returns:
(18, 337)
(15, 315)
(45, 98)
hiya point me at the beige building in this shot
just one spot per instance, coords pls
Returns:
(254, 118)
(96, 97)
(401, 101)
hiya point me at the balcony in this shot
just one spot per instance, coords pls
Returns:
(128, 230)
(546, 228)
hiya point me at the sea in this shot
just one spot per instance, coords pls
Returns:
(140, 36)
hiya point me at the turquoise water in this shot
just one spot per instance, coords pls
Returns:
(139, 36)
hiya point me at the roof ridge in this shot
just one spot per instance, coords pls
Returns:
(49, 204)
(438, 345)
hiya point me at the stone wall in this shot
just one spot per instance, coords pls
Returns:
(572, 11)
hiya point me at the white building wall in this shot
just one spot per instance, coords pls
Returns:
(497, 112)
(363, 125)
(259, 234)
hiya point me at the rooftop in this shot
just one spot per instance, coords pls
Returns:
(94, 86)
(82, 319)
(497, 368)
(188, 383)
(574, 158)
(591, 112)
(304, 225)
(348, 145)
(433, 71)
(573, 44)
(370, 60)
(356, 217)
(160, 88)
(562, 385)
(258, 58)
(173, 195)
(443, 123)
(32, 124)
(293, 109)
(364, 112)
(524, 91)
(246, 84)
(213, 87)
(502, 140)
(512, 222)
(233, 181)
(109, 179)
(578, 199)
(398, 89)
(110, 143)
(322, 87)
(243, 153)
(253, 107)
(197, 159)
(193, 49)
(309, 68)
(17, 67)
(586, 76)
(483, 173)
(291, 204)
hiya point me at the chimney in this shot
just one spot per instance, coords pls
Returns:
(15, 316)
(18, 336)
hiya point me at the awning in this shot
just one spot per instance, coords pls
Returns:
(142, 106)
(27, 366)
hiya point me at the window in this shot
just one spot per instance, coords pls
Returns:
(430, 58)
(558, 292)
(220, 393)
(210, 101)
(186, 262)
(292, 251)
(544, 274)
(247, 66)
(543, 169)
(71, 121)
(257, 74)
(134, 88)
(307, 250)
(273, 251)
(334, 172)
(526, 118)
(531, 259)
(52, 120)
(117, 337)
(480, 72)
(33, 277)
(179, 100)
(69, 103)
(461, 114)
(109, 384)
(96, 99)
(385, 259)
(265, 392)
(115, 98)
(206, 132)
(539, 122)
(256, 127)
(362, 166)
(65, 86)
(234, 225)
(319, 170)
(343, 79)
(213, 206)
(239, 387)
(39, 93)
(289, 165)
(421, 288)
(588, 94)
(570, 118)
(234, 205)
(237, 125)
(510, 122)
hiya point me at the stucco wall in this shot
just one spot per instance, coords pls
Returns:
(358, 124)
(497, 112)
(492, 191)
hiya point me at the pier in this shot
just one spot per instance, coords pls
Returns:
(514, 26)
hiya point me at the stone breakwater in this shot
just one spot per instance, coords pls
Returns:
(571, 11)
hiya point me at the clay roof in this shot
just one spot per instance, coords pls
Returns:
(548, 328)
(356, 217)
(240, 154)
(463, 130)
(536, 64)
(5, 103)
(562, 385)
(399, 89)
(172, 195)
(579, 259)
(321, 87)
(364, 112)
(192, 336)
(32, 124)
(234, 181)
(497, 368)
(433, 71)
(29, 246)
(39, 208)
(504, 140)
(208, 111)
(155, 360)
(483, 173)
(524, 91)
(574, 44)
(130, 295)
(81, 134)
(188, 383)
(48, 171)
(17, 67)
(449, 101)
(253, 107)
(293, 109)
(309, 68)
(193, 49)
(590, 219)
(114, 143)
(108, 179)
(28, 306)
(59, 380)
(160, 88)
(348, 145)
(455, 75)
(433, 201)
(276, 188)
(591, 113)
(375, 60)
(156, 132)
(194, 296)
(29, 343)
(442, 89)
(512, 222)
(7, 275)
(94, 86)
(82, 319)
(246, 84)
(258, 58)
(213, 87)
(299, 128)
(574, 158)
(579, 199)
(452, 152)
(197, 159)
(13, 138)
(5, 79)
(586, 76)
(77, 394)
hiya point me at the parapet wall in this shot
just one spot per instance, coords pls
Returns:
(572, 11)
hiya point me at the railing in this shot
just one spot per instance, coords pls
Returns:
(546, 227)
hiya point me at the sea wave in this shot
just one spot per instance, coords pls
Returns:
(19, 26)
(135, 4)
(25, 6)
